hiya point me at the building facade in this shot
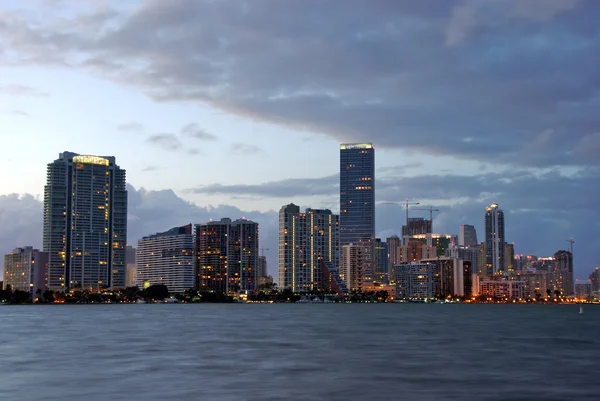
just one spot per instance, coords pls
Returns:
(563, 273)
(381, 261)
(25, 269)
(227, 256)
(595, 279)
(305, 240)
(131, 267)
(357, 200)
(262, 267)
(467, 236)
(167, 258)
(85, 222)
(353, 267)
(417, 281)
(416, 225)
(494, 241)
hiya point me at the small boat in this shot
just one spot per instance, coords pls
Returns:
(581, 310)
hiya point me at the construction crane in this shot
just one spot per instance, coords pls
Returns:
(571, 241)
(262, 251)
(431, 210)
(406, 204)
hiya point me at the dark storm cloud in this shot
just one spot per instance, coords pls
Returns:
(474, 79)
(275, 189)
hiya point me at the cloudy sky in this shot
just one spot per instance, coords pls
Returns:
(234, 108)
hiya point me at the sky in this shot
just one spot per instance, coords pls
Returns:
(234, 108)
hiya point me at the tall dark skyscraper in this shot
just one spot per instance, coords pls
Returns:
(494, 240)
(357, 199)
(467, 236)
(85, 222)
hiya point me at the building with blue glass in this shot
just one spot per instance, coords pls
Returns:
(357, 199)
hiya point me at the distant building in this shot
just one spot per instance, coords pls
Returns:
(262, 266)
(535, 282)
(583, 291)
(167, 258)
(330, 280)
(265, 283)
(131, 271)
(357, 200)
(394, 246)
(415, 251)
(227, 256)
(501, 288)
(509, 257)
(454, 275)
(415, 226)
(470, 254)
(26, 269)
(595, 279)
(85, 222)
(467, 236)
(306, 239)
(494, 240)
(353, 266)
(563, 273)
(440, 242)
(381, 261)
(417, 281)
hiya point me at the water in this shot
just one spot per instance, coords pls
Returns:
(299, 352)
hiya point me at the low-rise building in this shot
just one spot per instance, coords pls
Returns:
(501, 289)
(417, 281)
(26, 269)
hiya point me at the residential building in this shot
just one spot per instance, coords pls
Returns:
(85, 222)
(25, 269)
(535, 282)
(417, 250)
(227, 256)
(167, 258)
(416, 225)
(470, 254)
(306, 239)
(501, 288)
(330, 279)
(440, 242)
(353, 266)
(357, 200)
(455, 276)
(467, 236)
(563, 273)
(417, 281)
(509, 257)
(494, 240)
(381, 261)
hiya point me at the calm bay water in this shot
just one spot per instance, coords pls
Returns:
(299, 352)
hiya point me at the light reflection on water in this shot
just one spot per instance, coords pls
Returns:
(299, 352)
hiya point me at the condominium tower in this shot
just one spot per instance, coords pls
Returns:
(357, 199)
(85, 222)
(227, 256)
(494, 240)
(467, 236)
(305, 240)
(167, 258)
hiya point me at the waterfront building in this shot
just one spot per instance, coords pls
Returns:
(357, 200)
(25, 269)
(535, 282)
(417, 281)
(85, 222)
(595, 279)
(467, 236)
(494, 241)
(306, 239)
(381, 261)
(167, 258)
(131, 267)
(583, 291)
(330, 279)
(497, 289)
(563, 280)
(353, 266)
(227, 256)
(455, 276)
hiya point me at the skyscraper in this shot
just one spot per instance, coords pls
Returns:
(394, 247)
(494, 240)
(563, 273)
(381, 261)
(167, 258)
(357, 199)
(85, 222)
(467, 236)
(305, 240)
(227, 256)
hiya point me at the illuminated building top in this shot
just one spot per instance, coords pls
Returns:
(348, 146)
(86, 159)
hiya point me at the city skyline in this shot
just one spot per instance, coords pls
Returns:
(429, 113)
